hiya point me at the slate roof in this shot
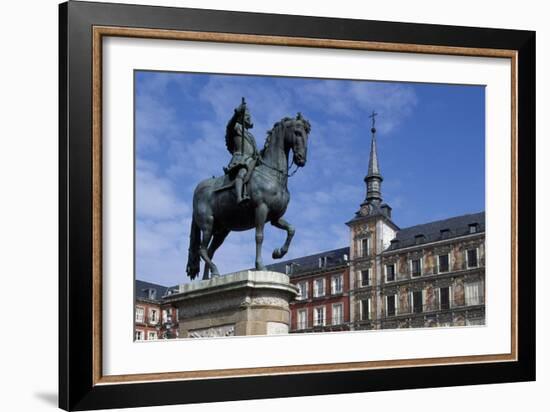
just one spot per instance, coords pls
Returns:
(456, 226)
(142, 288)
(309, 263)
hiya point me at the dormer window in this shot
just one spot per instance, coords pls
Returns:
(473, 227)
(322, 262)
(288, 268)
(151, 293)
(445, 233)
(419, 239)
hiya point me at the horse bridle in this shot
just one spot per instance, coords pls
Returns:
(279, 170)
(288, 175)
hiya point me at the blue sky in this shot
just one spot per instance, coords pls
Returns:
(431, 146)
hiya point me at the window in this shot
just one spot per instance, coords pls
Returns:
(151, 293)
(303, 292)
(390, 272)
(319, 316)
(390, 305)
(471, 256)
(288, 268)
(302, 319)
(337, 284)
(152, 336)
(365, 247)
(444, 301)
(337, 314)
(153, 316)
(167, 315)
(140, 313)
(473, 228)
(365, 309)
(445, 233)
(416, 267)
(139, 335)
(365, 277)
(473, 293)
(318, 287)
(322, 262)
(443, 263)
(417, 301)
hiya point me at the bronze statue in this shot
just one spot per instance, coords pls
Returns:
(218, 209)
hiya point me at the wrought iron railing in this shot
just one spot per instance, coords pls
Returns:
(408, 308)
(329, 321)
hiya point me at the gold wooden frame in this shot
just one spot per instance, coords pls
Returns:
(102, 31)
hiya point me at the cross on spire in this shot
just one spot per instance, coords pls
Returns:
(373, 117)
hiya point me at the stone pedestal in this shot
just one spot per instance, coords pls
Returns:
(242, 303)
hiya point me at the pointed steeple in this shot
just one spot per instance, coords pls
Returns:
(374, 169)
(373, 179)
(372, 206)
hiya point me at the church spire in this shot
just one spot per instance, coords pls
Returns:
(373, 179)
(374, 169)
(372, 206)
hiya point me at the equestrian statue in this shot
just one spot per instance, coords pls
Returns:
(252, 192)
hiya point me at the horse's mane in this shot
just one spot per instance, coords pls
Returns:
(270, 133)
(280, 123)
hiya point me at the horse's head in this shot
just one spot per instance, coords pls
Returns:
(290, 133)
(296, 138)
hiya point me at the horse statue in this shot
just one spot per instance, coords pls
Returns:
(215, 209)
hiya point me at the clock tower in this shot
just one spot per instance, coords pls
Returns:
(371, 231)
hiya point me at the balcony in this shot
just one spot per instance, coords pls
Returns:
(301, 325)
(368, 316)
(409, 309)
(362, 283)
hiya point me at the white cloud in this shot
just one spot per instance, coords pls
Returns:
(155, 197)
(352, 99)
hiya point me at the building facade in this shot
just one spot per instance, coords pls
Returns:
(430, 275)
(323, 301)
(154, 318)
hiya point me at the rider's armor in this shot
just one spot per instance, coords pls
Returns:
(243, 150)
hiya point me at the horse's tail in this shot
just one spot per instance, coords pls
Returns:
(193, 258)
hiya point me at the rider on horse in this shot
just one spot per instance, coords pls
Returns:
(243, 148)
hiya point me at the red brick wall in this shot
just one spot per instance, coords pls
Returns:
(327, 300)
(146, 326)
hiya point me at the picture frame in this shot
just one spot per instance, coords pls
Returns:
(82, 28)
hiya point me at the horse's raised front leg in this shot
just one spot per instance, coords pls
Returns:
(259, 218)
(283, 224)
(203, 250)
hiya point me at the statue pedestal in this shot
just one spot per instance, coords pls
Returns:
(238, 304)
